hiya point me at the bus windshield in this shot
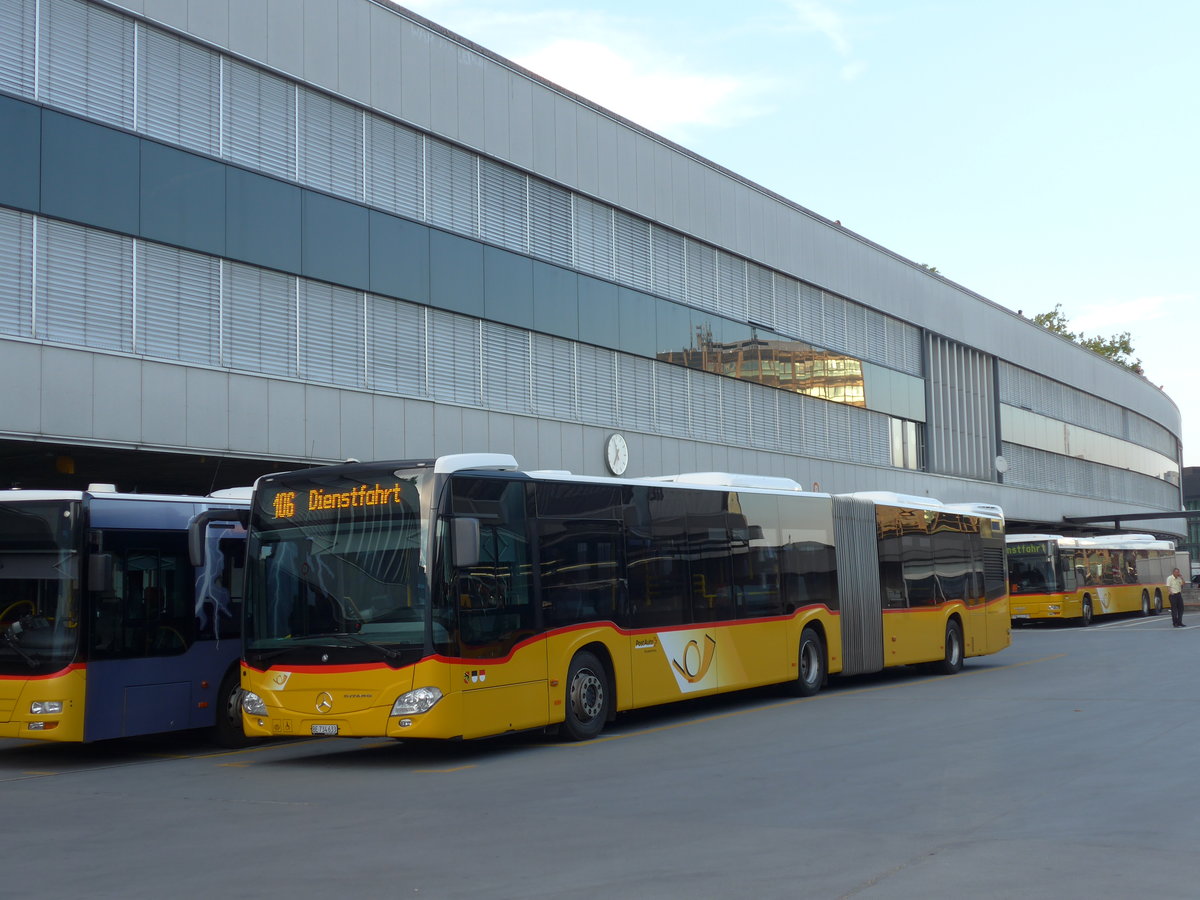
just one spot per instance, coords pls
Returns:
(336, 567)
(39, 583)
(1032, 569)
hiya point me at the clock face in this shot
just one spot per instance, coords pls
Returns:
(616, 454)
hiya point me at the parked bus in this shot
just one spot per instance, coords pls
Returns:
(461, 598)
(1078, 578)
(106, 630)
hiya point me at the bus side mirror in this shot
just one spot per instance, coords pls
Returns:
(465, 536)
(198, 526)
(100, 572)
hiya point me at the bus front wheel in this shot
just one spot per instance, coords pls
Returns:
(810, 664)
(1157, 603)
(1085, 616)
(1145, 604)
(588, 698)
(952, 661)
(227, 731)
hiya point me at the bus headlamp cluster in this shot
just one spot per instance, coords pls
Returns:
(252, 704)
(417, 701)
(45, 707)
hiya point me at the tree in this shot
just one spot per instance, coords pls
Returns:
(1118, 347)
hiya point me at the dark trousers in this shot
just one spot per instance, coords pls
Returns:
(1177, 609)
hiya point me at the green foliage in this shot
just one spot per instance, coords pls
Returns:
(1118, 347)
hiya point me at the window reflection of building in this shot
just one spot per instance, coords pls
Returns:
(780, 363)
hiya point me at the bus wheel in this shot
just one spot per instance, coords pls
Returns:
(811, 665)
(1085, 619)
(953, 660)
(1157, 603)
(588, 698)
(1145, 604)
(228, 728)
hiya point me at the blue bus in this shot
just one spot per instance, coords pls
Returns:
(106, 628)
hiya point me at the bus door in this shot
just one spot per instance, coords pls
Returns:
(501, 669)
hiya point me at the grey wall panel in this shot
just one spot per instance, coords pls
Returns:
(520, 134)
(66, 393)
(212, 21)
(527, 442)
(387, 61)
(548, 454)
(644, 163)
(573, 443)
(543, 132)
(497, 110)
(566, 140)
(247, 27)
(474, 430)
(447, 428)
(354, 46)
(443, 84)
(664, 181)
(286, 431)
(502, 430)
(21, 411)
(416, 46)
(607, 175)
(391, 416)
(470, 126)
(420, 436)
(587, 154)
(116, 397)
(245, 411)
(285, 36)
(322, 422)
(162, 386)
(320, 22)
(627, 174)
(356, 424)
(169, 12)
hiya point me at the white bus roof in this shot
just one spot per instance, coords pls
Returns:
(1099, 542)
(226, 495)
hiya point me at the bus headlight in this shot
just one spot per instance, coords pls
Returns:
(418, 701)
(45, 707)
(252, 704)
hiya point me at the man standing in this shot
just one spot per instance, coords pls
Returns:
(1175, 590)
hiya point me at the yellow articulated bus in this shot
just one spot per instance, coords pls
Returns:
(1078, 578)
(462, 598)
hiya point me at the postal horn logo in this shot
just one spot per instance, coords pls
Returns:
(695, 662)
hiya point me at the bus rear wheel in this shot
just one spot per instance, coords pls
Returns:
(1157, 603)
(952, 661)
(1085, 616)
(1145, 604)
(588, 698)
(810, 665)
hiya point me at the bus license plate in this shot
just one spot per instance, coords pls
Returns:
(330, 728)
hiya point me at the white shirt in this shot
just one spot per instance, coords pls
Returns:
(1174, 584)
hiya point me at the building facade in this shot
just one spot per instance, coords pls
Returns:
(240, 235)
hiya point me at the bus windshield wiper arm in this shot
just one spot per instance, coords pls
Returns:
(30, 660)
(389, 654)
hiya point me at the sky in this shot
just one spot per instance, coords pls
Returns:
(1037, 152)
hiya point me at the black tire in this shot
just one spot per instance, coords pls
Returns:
(227, 730)
(1157, 603)
(810, 665)
(1085, 618)
(952, 662)
(1145, 604)
(588, 699)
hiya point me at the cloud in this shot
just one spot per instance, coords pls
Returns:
(814, 16)
(1126, 315)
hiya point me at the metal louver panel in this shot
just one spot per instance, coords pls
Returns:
(764, 417)
(735, 409)
(331, 145)
(857, 551)
(505, 366)
(87, 61)
(787, 306)
(673, 406)
(702, 276)
(760, 295)
(259, 320)
(452, 188)
(636, 397)
(259, 120)
(396, 338)
(597, 384)
(593, 237)
(395, 161)
(631, 242)
(551, 227)
(731, 285)
(84, 287)
(554, 383)
(812, 314)
(331, 334)
(670, 264)
(504, 206)
(179, 92)
(455, 357)
(705, 413)
(835, 320)
(16, 273)
(856, 331)
(17, 46)
(178, 305)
